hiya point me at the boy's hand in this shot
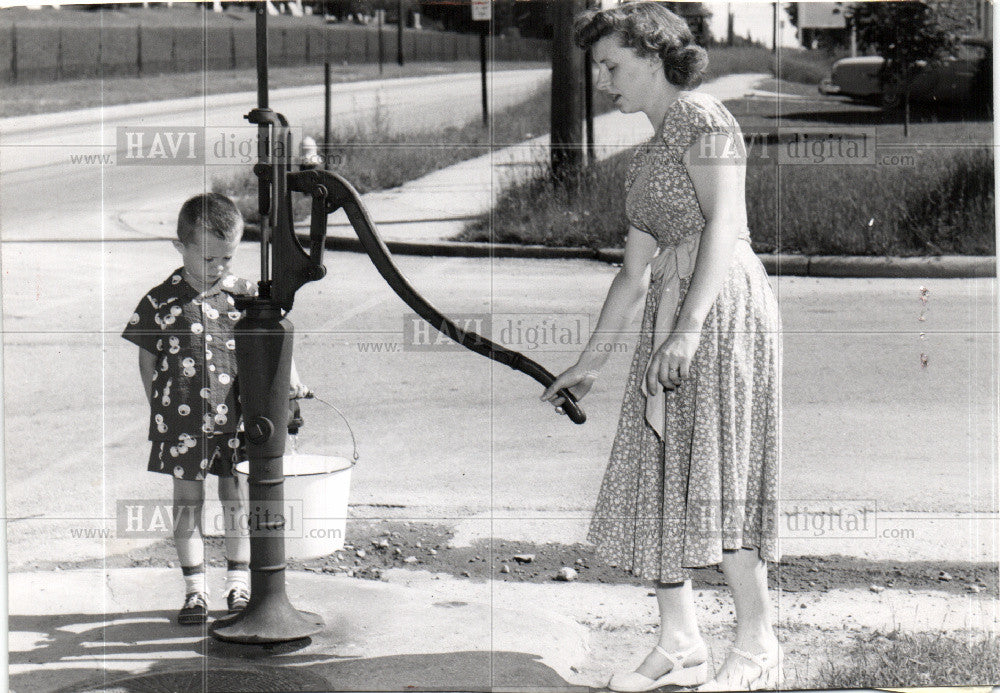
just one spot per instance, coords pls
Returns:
(297, 390)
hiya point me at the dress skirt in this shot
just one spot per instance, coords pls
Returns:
(712, 482)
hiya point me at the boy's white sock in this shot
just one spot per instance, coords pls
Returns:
(194, 579)
(237, 574)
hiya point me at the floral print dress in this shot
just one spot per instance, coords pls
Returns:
(711, 481)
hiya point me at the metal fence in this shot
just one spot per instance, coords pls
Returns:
(32, 54)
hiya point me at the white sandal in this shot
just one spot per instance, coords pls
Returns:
(679, 674)
(769, 678)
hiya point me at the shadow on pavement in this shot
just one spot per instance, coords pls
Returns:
(466, 671)
(81, 652)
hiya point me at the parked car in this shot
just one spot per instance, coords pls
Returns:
(951, 80)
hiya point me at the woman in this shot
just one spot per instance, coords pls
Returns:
(692, 479)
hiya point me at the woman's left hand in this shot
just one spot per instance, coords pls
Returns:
(671, 364)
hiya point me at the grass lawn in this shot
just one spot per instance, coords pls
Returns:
(896, 659)
(26, 99)
(929, 194)
(784, 86)
(805, 108)
(791, 64)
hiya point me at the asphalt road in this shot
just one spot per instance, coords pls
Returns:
(48, 179)
(447, 434)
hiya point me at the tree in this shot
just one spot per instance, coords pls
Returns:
(566, 115)
(905, 34)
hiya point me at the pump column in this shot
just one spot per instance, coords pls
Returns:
(264, 357)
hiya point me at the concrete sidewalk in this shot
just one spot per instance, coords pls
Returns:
(88, 630)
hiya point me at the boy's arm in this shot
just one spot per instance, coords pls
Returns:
(296, 388)
(147, 369)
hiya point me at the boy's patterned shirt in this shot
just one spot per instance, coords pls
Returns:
(191, 334)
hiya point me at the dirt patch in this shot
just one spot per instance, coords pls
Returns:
(373, 547)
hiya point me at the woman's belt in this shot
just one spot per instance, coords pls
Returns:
(671, 265)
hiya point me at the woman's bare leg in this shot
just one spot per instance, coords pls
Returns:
(678, 628)
(746, 574)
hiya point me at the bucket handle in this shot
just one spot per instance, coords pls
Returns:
(354, 441)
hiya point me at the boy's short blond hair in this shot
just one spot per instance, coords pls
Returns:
(210, 213)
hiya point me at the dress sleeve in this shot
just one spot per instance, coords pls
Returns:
(142, 329)
(695, 118)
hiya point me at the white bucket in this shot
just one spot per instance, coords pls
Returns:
(316, 493)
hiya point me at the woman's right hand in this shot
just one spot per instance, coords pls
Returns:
(577, 379)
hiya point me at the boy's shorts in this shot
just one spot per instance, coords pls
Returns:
(192, 458)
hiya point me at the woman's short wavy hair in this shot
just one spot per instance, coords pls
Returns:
(649, 28)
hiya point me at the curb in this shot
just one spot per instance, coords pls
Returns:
(786, 265)
(943, 266)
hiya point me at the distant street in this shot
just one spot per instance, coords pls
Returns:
(46, 182)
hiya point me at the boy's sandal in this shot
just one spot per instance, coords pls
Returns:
(679, 675)
(769, 677)
(194, 611)
(237, 599)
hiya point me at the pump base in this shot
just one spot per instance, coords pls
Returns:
(269, 620)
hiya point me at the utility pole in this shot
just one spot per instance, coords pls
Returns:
(399, 33)
(327, 116)
(588, 107)
(482, 15)
(774, 27)
(380, 18)
(854, 36)
(484, 30)
(729, 24)
(567, 91)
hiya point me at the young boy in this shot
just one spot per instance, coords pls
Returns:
(184, 330)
